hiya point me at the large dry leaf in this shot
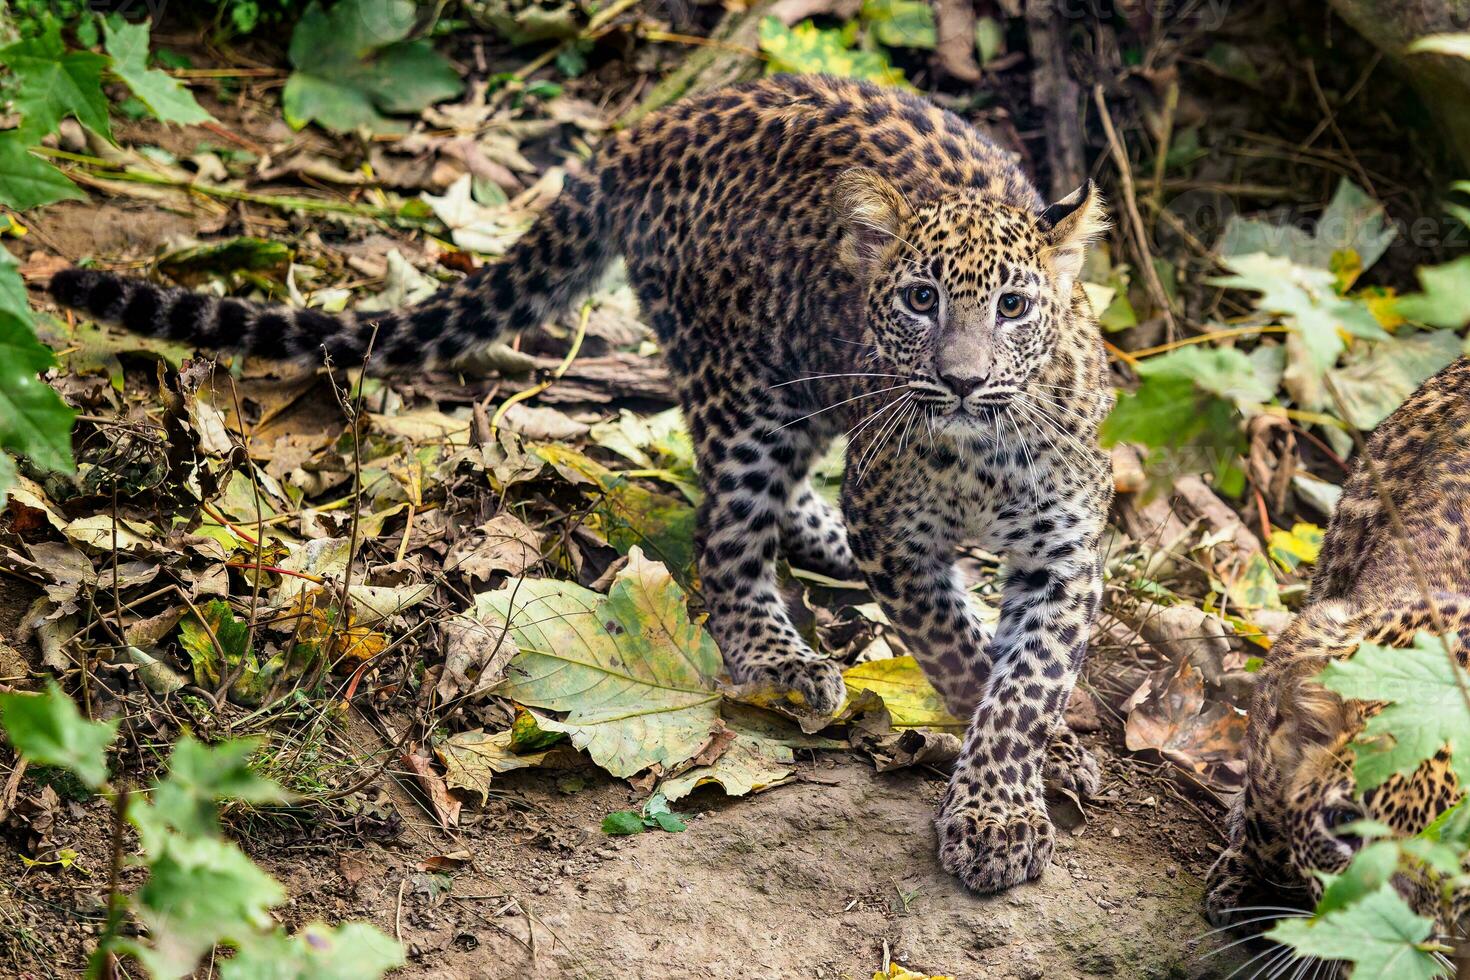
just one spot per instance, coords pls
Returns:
(635, 677)
(1171, 715)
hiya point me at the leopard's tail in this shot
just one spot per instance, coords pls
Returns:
(544, 272)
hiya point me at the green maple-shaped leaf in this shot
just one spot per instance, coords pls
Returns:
(1445, 301)
(355, 951)
(1425, 710)
(201, 891)
(165, 98)
(27, 181)
(634, 675)
(48, 83)
(1307, 295)
(34, 421)
(198, 775)
(48, 729)
(353, 64)
(1379, 934)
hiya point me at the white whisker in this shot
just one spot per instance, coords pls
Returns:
(819, 377)
(866, 394)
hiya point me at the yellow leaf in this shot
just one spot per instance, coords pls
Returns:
(910, 699)
(896, 972)
(1299, 546)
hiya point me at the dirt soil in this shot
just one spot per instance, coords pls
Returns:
(815, 879)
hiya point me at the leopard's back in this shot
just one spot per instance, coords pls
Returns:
(1420, 459)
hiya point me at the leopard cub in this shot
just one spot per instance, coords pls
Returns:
(1292, 821)
(823, 258)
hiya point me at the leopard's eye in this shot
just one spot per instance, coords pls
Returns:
(1339, 816)
(921, 298)
(1012, 305)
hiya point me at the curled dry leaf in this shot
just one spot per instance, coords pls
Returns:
(748, 764)
(1170, 714)
(475, 658)
(444, 807)
(502, 544)
(472, 759)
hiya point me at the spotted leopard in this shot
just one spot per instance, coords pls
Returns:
(823, 258)
(1287, 824)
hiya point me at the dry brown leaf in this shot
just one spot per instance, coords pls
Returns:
(502, 544)
(444, 807)
(1170, 715)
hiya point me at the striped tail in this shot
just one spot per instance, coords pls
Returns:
(546, 270)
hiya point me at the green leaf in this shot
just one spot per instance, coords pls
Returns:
(7, 477)
(1256, 587)
(1352, 224)
(1222, 371)
(316, 952)
(1379, 935)
(1425, 712)
(353, 64)
(1445, 301)
(201, 891)
(49, 83)
(233, 636)
(635, 676)
(807, 49)
(990, 39)
(200, 774)
(27, 181)
(622, 823)
(165, 98)
(901, 23)
(1377, 377)
(34, 421)
(49, 730)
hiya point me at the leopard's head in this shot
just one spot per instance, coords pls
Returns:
(1295, 819)
(969, 299)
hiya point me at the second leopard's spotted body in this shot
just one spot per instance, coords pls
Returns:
(819, 258)
(1287, 826)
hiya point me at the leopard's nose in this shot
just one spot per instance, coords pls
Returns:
(961, 385)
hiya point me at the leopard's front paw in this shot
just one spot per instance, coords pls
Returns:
(1069, 766)
(991, 847)
(1225, 887)
(818, 681)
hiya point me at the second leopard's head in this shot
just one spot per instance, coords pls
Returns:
(968, 298)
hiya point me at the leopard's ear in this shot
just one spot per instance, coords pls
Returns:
(1070, 225)
(872, 214)
(1305, 717)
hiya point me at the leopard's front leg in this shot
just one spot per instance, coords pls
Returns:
(993, 827)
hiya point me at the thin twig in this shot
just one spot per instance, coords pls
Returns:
(1135, 220)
